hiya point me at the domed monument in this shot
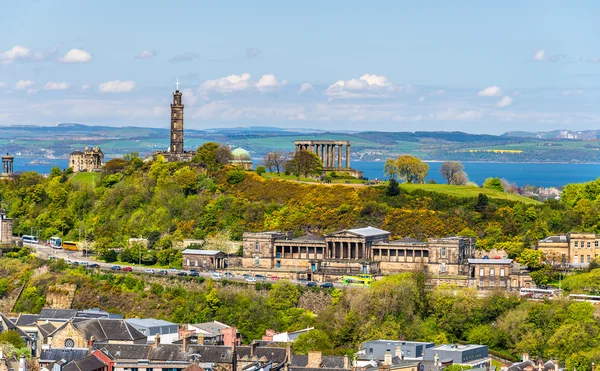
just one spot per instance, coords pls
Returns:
(241, 158)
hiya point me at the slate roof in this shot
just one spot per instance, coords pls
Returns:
(124, 351)
(89, 363)
(406, 240)
(490, 261)
(201, 252)
(167, 352)
(46, 329)
(300, 361)
(214, 328)
(213, 353)
(26, 319)
(56, 354)
(520, 366)
(57, 314)
(271, 354)
(149, 322)
(555, 239)
(369, 231)
(10, 325)
(104, 329)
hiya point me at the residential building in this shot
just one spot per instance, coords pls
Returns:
(377, 350)
(574, 249)
(202, 259)
(166, 331)
(488, 274)
(85, 333)
(527, 364)
(470, 355)
(88, 363)
(48, 357)
(212, 333)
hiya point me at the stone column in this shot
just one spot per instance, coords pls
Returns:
(339, 156)
(322, 153)
(348, 156)
(326, 160)
(332, 156)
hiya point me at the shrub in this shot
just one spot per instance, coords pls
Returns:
(109, 255)
(260, 170)
(235, 176)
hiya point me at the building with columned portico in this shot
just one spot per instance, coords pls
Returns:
(331, 153)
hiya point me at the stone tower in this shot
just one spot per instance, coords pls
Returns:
(7, 165)
(176, 123)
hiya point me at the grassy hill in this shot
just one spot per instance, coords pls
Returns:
(468, 191)
(87, 178)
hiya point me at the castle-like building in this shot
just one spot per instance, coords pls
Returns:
(176, 151)
(89, 160)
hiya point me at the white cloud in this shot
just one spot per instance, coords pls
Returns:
(437, 93)
(456, 115)
(539, 55)
(229, 84)
(116, 86)
(3, 85)
(85, 87)
(269, 83)
(31, 91)
(568, 93)
(18, 53)
(504, 102)
(305, 87)
(365, 86)
(145, 54)
(76, 56)
(421, 99)
(23, 84)
(189, 98)
(56, 86)
(490, 91)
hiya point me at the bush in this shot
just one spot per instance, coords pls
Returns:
(235, 176)
(260, 170)
(493, 183)
(109, 255)
(392, 189)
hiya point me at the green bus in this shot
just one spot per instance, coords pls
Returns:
(360, 280)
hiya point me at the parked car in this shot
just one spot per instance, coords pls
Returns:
(182, 274)
(163, 272)
(216, 276)
(228, 274)
(75, 264)
(275, 278)
(85, 264)
(149, 271)
(194, 274)
(94, 265)
(250, 279)
(311, 284)
(127, 269)
(245, 275)
(259, 276)
(173, 270)
(193, 270)
(116, 268)
(327, 285)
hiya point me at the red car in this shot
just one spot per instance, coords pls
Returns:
(126, 269)
(275, 278)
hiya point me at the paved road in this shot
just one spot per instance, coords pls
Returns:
(70, 257)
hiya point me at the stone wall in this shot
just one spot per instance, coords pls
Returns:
(68, 332)
(60, 296)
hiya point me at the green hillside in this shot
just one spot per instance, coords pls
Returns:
(468, 191)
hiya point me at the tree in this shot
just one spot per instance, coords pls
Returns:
(392, 189)
(410, 168)
(283, 295)
(260, 170)
(531, 258)
(453, 172)
(390, 168)
(305, 163)
(212, 156)
(275, 160)
(116, 165)
(493, 183)
(12, 337)
(313, 340)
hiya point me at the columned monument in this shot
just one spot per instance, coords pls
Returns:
(7, 165)
(176, 151)
(331, 154)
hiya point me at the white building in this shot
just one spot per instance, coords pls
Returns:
(168, 331)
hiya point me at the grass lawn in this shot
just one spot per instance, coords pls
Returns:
(468, 191)
(282, 176)
(84, 177)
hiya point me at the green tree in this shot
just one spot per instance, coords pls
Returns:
(212, 156)
(459, 367)
(408, 168)
(393, 189)
(283, 295)
(493, 183)
(260, 170)
(531, 258)
(12, 337)
(235, 176)
(304, 163)
(313, 340)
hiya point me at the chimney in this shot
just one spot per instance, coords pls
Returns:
(22, 363)
(399, 351)
(388, 358)
(157, 340)
(288, 353)
(185, 343)
(593, 366)
(525, 357)
(315, 358)
(384, 367)
(200, 339)
(346, 362)
(253, 346)
(91, 342)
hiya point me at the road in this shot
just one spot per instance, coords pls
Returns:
(70, 257)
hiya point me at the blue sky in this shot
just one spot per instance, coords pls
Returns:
(474, 66)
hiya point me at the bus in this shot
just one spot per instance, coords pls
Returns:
(70, 245)
(594, 299)
(55, 242)
(30, 239)
(360, 280)
(539, 294)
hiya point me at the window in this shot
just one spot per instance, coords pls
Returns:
(481, 272)
(501, 272)
(481, 282)
(589, 258)
(278, 263)
(257, 246)
(589, 244)
(581, 259)
(257, 261)
(443, 252)
(564, 258)
(491, 283)
(443, 267)
(595, 243)
(576, 244)
(502, 283)
(575, 259)
(187, 261)
(491, 272)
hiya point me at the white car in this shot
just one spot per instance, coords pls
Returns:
(84, 264)
(250, 279)
(149, 271)
(173, 271)
(216, 276)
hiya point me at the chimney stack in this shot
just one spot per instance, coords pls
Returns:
(384, 367)
(399, 352)
(91, 342)
(253, 346)
(347, 362)
(184, 343)
(315, 359)
(388, 357)
(525, 357)
(157, 340)
(593, 366)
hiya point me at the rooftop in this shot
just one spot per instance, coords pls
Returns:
(149, 322)
(454, 348)
(369, 231)
(201, 252)
(490, 261)
(57, 314)
(214, 328)
(103, 329)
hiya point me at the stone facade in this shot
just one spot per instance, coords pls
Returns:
(88, 160)
(202, 259)
(176, 151)
(576, 249)
(6, 225)
(7, 166)
(68, 336)
(330, 152)
(354, 251)
(490, 274)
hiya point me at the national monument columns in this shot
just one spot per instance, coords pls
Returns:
(329, 151)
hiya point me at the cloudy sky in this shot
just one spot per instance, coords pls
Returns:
(475, 66)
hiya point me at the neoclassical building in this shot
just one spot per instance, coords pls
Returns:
(241, 158)
(88, 160)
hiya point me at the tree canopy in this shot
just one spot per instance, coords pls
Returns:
(304, 163)
(408, 168)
